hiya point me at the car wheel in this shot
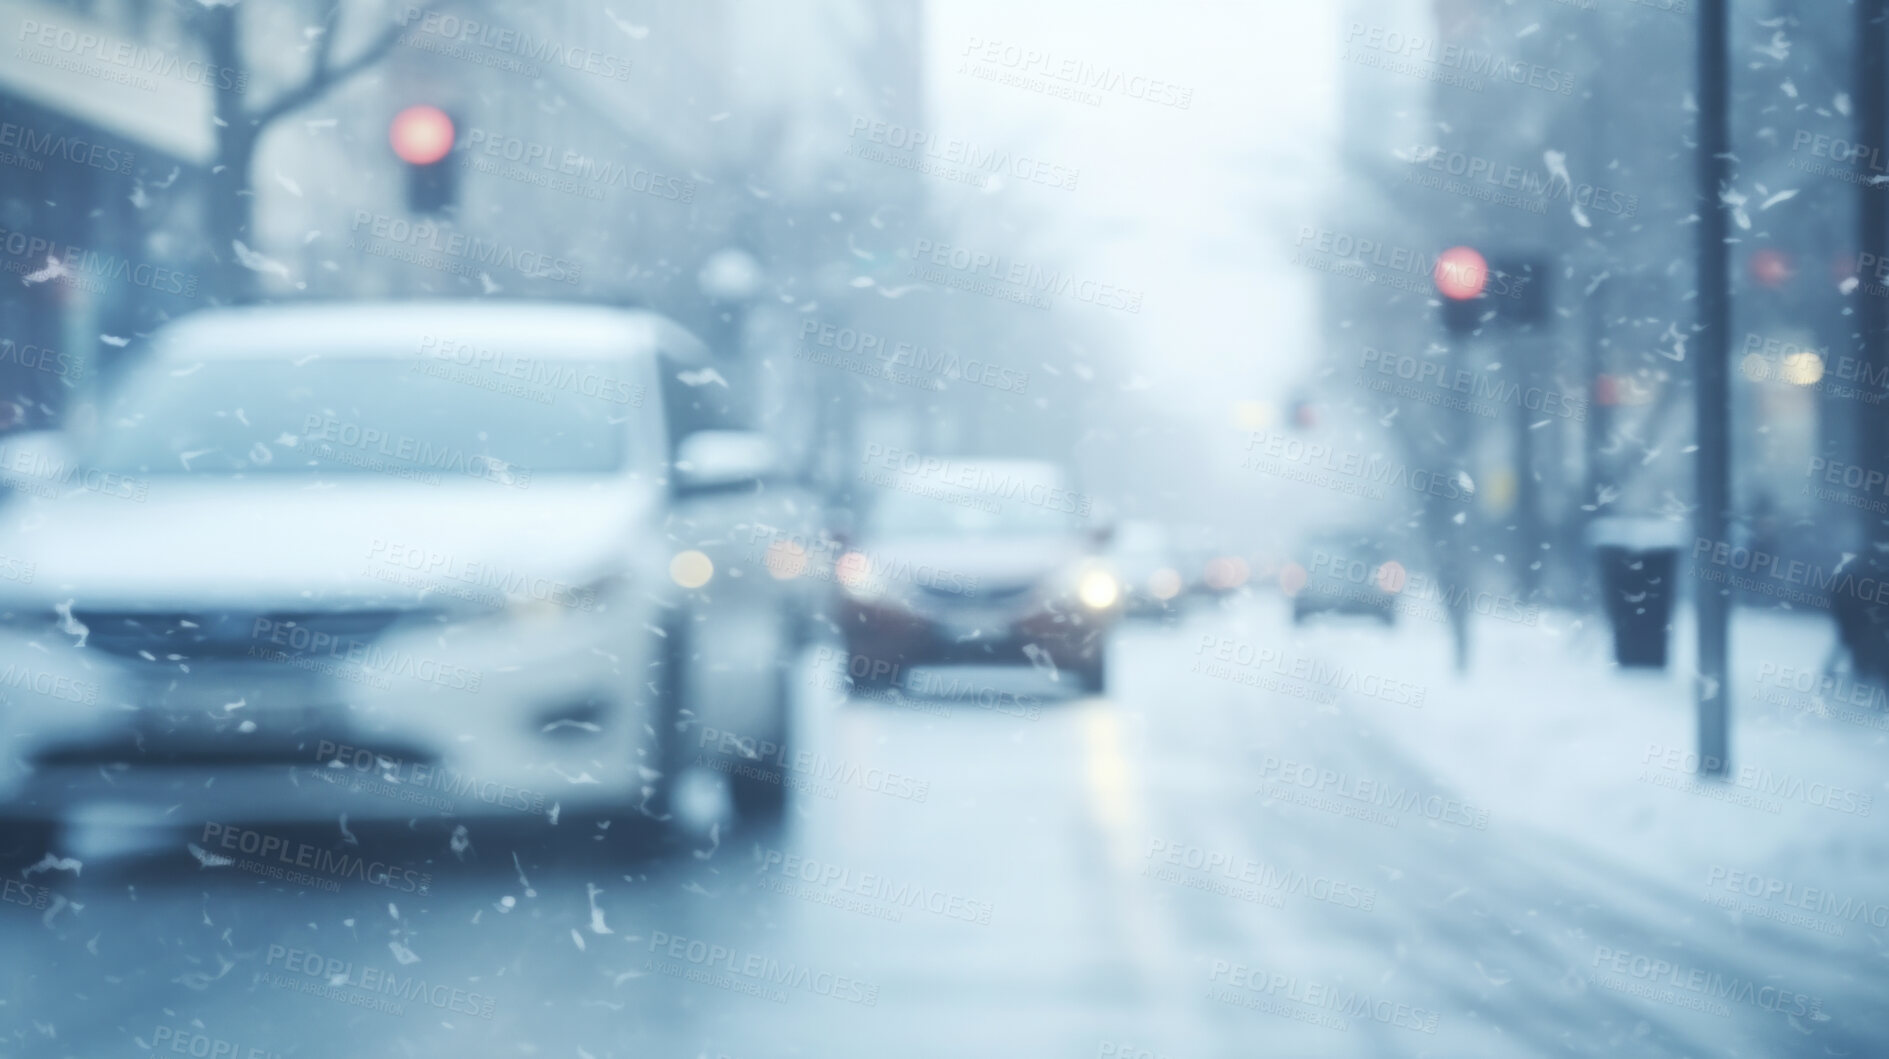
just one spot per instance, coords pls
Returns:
(762, 799)
(876, 681)
(640, 821)
(736, 776)
(698, 780)
(23, 843)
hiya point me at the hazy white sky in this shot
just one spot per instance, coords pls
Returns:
(1184, 205)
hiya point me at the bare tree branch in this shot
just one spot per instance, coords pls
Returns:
(325, 47)
(324, 75)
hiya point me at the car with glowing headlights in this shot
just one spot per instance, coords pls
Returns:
(1148, 564)
(1343, 572)
(444, 559)
(975, 561)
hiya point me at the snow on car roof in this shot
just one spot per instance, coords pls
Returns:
(1042, 470)
(341, 329)
(974, 474)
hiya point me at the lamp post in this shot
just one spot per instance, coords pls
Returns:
(1711, 384)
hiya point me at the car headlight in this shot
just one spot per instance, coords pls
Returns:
(1164, 584)
(1098, 589)
(533, 609)
(547, 601)
(857, 577)
(691, 569)
(1227, 572)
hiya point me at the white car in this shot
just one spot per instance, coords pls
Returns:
(389, 561)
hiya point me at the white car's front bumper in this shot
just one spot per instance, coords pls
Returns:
(499, 715)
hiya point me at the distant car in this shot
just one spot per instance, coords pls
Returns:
(1150, 569)
(1342, 572)
(977, 561)
(436, 552)
(1206, 566)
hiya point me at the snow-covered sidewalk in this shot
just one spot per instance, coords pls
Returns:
(1766, 893)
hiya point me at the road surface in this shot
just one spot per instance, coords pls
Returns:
(1215, 859)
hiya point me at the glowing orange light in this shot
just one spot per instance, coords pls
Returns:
(1292, 578)
(421, 135)
(852, 568)
(1164, 584)
(1460, 273)
(1771, 268)
(1226, 572)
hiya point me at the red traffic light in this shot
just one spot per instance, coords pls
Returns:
(1460, 273)
(1771, 268)
(421, 135)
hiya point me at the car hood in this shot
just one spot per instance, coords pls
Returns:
(990, 561)
(1138, 566)
(322, 543)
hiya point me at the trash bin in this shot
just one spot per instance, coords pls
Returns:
(1638, 558)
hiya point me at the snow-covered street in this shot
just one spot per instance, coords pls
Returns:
(1337, 849)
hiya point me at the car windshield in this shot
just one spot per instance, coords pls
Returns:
(1006, 508)
(402, 416)
(1141, 538)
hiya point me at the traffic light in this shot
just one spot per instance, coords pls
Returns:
(1304, 414)
(1518, 295)
(1460, 275)
(1460, 316)
(1526, 279)
(1771, 267)
(422, 138)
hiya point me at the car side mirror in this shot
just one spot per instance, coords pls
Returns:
(842, 527)
(715, 460)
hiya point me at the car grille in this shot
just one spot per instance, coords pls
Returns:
(980, 595)
(156, 636)
(160, 747)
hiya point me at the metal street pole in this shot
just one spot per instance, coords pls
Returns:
(1534, 355)
(1456, 550)
(1460, 274)
(1711, 384)
(1594, 434)
(1862, 624)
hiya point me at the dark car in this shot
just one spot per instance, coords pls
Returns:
(1342, 573)
(1150, 568)
(977, 562)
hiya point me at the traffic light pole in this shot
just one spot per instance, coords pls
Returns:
(1461, 275)
(1455, 551)
(1864, 632)
(1711, 384)
(1599, 418)
(1533, 348)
